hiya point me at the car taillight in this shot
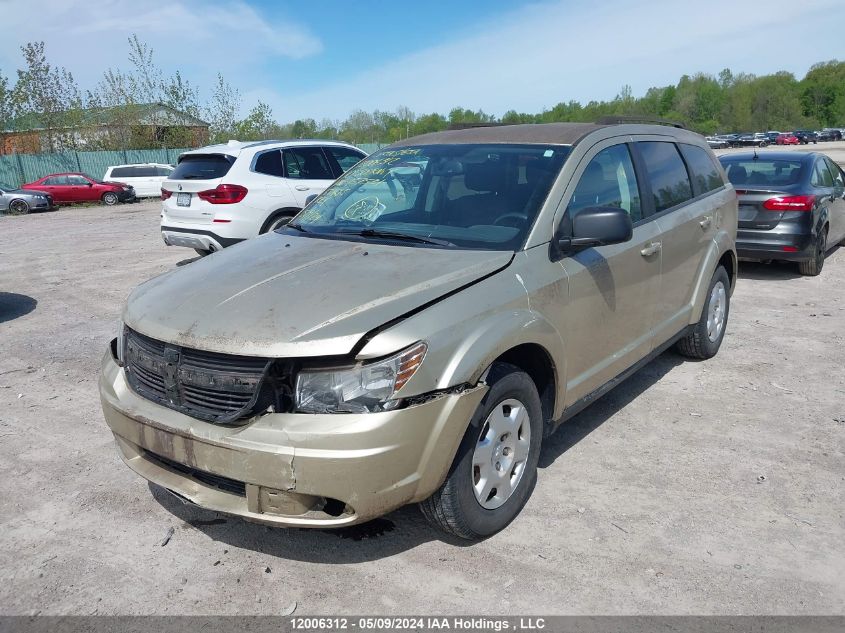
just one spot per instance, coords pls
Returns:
(790, 203)
(165, 194)
(223, 194)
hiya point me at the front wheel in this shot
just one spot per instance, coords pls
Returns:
(495, 469)
(110, 198)
(19, 207)
(705, 339)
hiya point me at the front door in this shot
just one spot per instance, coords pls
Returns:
(608, 318)
(308, 172)
(837, 203)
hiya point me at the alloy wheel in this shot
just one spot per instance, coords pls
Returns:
(716, 312)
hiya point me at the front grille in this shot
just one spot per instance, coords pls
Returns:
(215, 387)
(209, 479)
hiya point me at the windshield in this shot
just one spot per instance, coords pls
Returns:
(762, 172)
(467, 196)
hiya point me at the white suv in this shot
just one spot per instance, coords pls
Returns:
(223, 194)
(146, 178)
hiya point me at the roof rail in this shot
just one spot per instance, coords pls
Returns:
(611, 120)
(469, 126)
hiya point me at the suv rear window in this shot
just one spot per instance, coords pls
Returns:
(202, 167)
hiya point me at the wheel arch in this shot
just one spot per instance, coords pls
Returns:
(271, 217)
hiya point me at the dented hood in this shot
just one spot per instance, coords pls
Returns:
(287, 296)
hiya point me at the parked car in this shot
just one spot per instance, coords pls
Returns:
(374, 353)
(21, 201)
(772, 137)
(787, 139)
(806, 136)
(224, 194)
(717, 143)
(748, 140)
(791, 206)
(837, 132)
(825, 135)
(145, 178)
(75, 187)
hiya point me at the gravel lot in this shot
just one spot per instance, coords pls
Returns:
(693, 488)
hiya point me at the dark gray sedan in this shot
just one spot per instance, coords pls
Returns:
(14, 200)
(791, 206)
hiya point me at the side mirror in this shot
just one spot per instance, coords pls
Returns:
(598, 226)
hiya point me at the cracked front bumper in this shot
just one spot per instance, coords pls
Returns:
(290, 469)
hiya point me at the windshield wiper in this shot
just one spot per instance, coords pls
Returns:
(392, 235)
(296, 227)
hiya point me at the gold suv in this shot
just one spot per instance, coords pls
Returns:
(417, 330)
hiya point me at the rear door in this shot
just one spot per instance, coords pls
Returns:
(686, 227)
(831, 193)
(837, 208)
(308, 171)
(60, 188)
(269, 164)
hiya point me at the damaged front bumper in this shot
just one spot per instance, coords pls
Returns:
(291, 469)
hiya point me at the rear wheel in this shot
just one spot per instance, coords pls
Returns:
(110, 198)
(705, 339)
(813, 267)
(19, 207)
(495, 469)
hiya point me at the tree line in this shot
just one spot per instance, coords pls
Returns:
(50, 95)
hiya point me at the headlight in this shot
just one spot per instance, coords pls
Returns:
(363, 389)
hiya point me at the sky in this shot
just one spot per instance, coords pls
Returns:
(324, 59)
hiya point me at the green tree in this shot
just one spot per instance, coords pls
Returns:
(258, 125)
(222, 110)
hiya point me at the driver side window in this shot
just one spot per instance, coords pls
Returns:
(608, 181)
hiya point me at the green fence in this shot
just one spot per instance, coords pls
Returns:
(16, 169)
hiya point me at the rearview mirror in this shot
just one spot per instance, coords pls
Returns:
(598, 226)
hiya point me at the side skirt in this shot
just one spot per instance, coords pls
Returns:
(579, 405)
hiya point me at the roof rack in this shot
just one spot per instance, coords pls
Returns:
(611, 120)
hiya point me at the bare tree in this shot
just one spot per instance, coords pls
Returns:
(222, 110)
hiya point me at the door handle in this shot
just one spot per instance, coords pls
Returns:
(651, 249)
(705, 222)
(301, 188)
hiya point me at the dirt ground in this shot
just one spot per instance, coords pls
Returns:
(693, 488)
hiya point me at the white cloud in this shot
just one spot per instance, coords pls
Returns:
(195, 36)
(545, 53)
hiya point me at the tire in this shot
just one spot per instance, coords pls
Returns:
(813, 267)
(456, 507)
(110, 199)
(276, 221)
(19, 206)
(706, 337)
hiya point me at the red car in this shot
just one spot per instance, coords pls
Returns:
(74, 187)
(787, 139)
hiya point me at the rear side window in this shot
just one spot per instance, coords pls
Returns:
(838, 179)
(269, 163)
(670, 184)
(821, 175)
(608, 181)
(122, 172)
(202, 167)
(163, 171)
(346, 158)
(307, 163)
(705, 174)
(56, 180)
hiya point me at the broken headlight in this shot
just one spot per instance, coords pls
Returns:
(362, 389)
